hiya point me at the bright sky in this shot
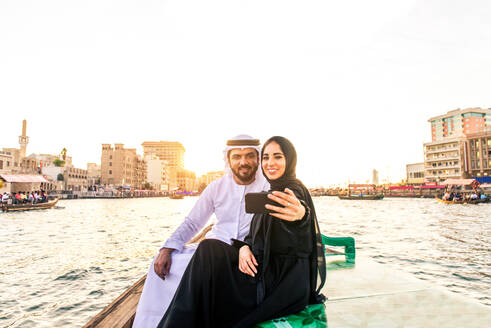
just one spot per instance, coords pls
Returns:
(350, 83)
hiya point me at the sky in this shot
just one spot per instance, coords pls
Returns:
(351, 83)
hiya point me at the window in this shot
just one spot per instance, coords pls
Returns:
(110, 163)
(110, 156)
(110, 172)
(1, 165)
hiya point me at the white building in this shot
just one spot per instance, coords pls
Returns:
(444, 159)
(158, 172)
(415, 173)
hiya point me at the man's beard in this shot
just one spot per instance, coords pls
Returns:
(248, 177)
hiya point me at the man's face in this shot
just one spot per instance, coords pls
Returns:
(244, 163)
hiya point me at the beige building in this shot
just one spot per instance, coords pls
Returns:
(6, 162)
(48, 159)
(186, 180)
(75, 179)
(415, 173)
(170, 151)
(93, 174)
(72, 178)
(121, 166)
(15, 153)
(444, 159)
(478, 154)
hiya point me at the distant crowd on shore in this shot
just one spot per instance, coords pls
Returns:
(34, 197)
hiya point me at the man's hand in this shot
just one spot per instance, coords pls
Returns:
(293, 210)
(247, 261)
(162, 263)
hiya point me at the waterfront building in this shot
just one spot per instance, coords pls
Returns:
(15, 153)
(170, 151)
(122, 167)
(66, 177)
(158, 172)
(29, 165)
(48, 159)
(93, 174)
(459, 122)
(415, 173)
(6, 162)
(212, 176)
(186, 180)
(444, 159)
(478, 155)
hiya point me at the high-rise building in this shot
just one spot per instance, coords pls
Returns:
(121, 166)
(459, 122)
(170, 151)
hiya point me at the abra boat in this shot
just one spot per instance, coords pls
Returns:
(362, 192)
(362, 197)
(464, 187)
(465, 201)
(361, 294)
(29, 207)
(176, 196)
(121, 312)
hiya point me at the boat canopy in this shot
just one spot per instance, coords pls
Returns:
(459, 182)
(400, 187)
(23, 178)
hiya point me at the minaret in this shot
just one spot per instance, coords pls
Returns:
(23, 140)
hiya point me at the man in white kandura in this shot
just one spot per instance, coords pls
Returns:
(225, 198)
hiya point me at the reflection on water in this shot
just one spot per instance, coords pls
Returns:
(62, 266)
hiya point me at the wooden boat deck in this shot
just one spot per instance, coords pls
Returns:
(365, 294)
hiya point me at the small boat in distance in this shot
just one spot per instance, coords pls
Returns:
(462, 191)
(176, 196)
(362, 192)
(29, 207)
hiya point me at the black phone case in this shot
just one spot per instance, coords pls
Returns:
(255, 201)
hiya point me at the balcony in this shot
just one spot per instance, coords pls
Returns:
(441, 150)
(447, 158)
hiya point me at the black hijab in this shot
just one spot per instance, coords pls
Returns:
(289, 179)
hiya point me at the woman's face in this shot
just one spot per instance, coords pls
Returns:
(273, 161)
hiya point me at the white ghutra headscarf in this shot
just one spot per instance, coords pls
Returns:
(240, 142)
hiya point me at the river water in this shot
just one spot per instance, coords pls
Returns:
(60, 267)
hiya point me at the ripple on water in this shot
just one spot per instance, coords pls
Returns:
(73, 275)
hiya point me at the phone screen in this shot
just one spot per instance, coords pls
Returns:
(255, 202)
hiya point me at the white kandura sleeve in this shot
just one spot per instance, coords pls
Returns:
(194, 221)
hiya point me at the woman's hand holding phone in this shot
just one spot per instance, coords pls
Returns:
(247, 261)
(293, 210)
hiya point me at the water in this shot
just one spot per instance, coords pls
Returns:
(60, 267)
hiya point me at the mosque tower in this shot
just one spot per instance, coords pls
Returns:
(23, 140)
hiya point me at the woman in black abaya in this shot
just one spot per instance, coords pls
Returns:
(273, 273)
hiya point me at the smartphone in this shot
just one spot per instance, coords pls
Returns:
(255, 201)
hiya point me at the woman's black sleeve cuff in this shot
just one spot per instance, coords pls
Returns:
(238, 243)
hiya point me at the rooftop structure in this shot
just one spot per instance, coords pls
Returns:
(459, 122)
